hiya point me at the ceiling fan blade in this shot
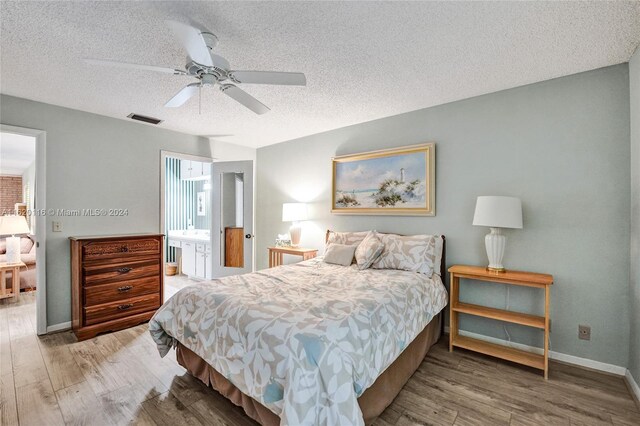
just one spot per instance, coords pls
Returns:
(270, 77)
(193, 41)
(219, 61)
(244, 98)
(183, 95)
(134, 66)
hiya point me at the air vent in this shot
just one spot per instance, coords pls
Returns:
(144, 118)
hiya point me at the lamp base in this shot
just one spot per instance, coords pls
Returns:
(13, 250)
(295, 231)
(495, 243)
(497, 271)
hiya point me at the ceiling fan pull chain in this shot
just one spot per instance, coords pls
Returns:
(200, 100)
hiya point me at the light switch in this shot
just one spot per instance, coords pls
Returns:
(57, 226)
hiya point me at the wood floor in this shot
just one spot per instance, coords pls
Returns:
(175, 283)
(119, 378)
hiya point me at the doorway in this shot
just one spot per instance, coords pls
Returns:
(186, 220)
(22, 210)
(207, 218)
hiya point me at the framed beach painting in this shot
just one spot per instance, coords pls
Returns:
(398, 181)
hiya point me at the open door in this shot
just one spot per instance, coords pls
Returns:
(232, 218)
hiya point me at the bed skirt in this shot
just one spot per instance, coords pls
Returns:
(372, 402)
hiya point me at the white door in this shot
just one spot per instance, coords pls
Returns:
(196, 169)
(232, 207)
(206, 170)
(189, 259)
(207, 261)
(185, 169)
(200, 264)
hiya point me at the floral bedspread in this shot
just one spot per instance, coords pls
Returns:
(305, 340)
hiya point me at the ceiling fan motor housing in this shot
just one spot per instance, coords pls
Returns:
(208, 75)
(210, 39)
(210, 79)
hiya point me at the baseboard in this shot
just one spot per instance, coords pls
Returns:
(63, 326)
(633, 387)
(557, 356)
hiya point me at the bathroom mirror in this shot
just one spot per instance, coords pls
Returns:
(232, 219)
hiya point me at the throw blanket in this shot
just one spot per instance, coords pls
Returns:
(305, 340)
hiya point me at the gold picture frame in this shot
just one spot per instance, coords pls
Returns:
(395, 182)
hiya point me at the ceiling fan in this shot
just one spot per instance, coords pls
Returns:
(211, 69)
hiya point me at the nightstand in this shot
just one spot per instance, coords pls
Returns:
(527, 279)
(14, 268)
(277, 253)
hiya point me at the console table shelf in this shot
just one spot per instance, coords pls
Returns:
(500, 314)
(499, 351)
(527, 279)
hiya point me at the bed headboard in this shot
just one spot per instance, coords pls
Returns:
(443, 263)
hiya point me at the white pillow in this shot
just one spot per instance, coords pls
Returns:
(339, 254)
(368, 250)
(415, 253)
(349, 238)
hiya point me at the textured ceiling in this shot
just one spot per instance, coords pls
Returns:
(17, 152)
(363, 61)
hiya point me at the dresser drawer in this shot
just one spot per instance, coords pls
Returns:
(122, 270)
(110, 311)
(110, 249)
(113, 292)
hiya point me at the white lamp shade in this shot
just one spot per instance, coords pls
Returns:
(498, 212)
(13, 225)
(294, 212)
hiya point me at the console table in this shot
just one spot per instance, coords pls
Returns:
(527, 279)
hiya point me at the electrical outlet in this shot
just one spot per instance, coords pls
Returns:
(57, 226)
(584, 332)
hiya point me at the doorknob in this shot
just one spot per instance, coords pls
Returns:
(248, 236)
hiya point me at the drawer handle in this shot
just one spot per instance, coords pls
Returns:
(124, 270)
(125, 288)
(125, 307)
(124, 249)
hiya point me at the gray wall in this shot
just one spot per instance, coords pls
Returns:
(634, 340)
(95, 162)
(562, 146)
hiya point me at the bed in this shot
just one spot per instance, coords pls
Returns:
(309, 343)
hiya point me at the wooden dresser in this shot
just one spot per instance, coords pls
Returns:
(116, 282)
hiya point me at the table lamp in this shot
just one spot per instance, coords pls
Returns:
(13, 225)
(496, 213)
(294, 212)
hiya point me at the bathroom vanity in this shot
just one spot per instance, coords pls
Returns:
(195, 248)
